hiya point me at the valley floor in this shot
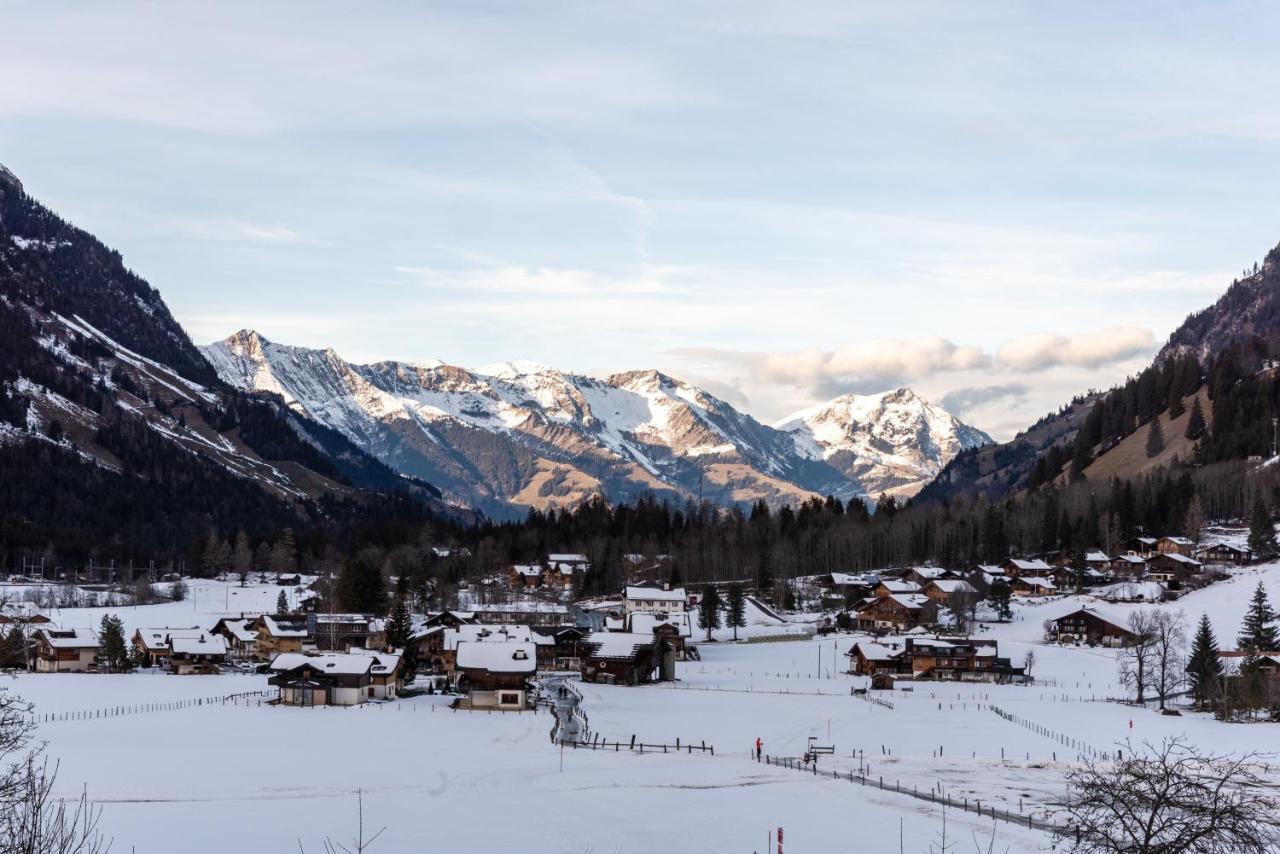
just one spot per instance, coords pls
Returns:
(212, 778)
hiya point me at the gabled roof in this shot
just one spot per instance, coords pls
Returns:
(566, 558)
(158, 639)
(872, 651)
(238, 629)
(203, 644)
(655, 594)
(1131, 558)
(508, 657)
(950, 585)
(529, 570)
(68, 638)
(1174, 556)
(284, 628)
(1029, 565)
(1096, 615)
(618, 645)
(1180, 541)
(1095, 557)
(900, 586)
(338, 663)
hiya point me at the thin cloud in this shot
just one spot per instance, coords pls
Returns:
(1044, 350)
(966, 399)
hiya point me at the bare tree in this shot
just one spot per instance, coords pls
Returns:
(1136, 659)
(32, 819)
(1166, 799)
(1169, 638)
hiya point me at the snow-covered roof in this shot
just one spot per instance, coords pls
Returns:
(617, 644)
(1094, 612)
(1132, 558)
(204, 644)
(1043, 583)
(1178, 541)
(527, 606)
(951, 585)
(453, 638)
(990, 569)
(914, 601)
(509, 657)
(875, 652)
(531, 570)
(900, 586)
(1095, 557)
(68, 638)
(383, 662)
(276, 629)
(1174, 556)
(655, 594)
(645, 623)
(844, 579)
(929, 572)
(1032, 565)
(344, 664)
(158, 640)
(566, 558)
(240, 629)
(1228, 546)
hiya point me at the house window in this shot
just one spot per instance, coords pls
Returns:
(509, 699)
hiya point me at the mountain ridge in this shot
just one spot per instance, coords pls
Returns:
(526, 433)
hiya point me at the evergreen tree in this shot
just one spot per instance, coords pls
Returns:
(13, 650)
(112, 651)
(361, 587)
(1262, 533)
(399, 624)
(282, 603)
(1155, 438)
(242, 557)
(1000, 596)
(1195, 421)
(1176, 406)
(709, 609)
(737, 613)
(1259, 632)
(1204, 667)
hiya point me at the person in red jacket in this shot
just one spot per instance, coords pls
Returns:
(759, 749)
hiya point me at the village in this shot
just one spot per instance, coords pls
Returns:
(1015, 672)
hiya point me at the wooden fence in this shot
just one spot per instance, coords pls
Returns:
(247, 698)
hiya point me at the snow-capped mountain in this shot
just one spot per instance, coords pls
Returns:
(896, 440)
(519, 434)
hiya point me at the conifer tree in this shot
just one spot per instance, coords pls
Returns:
(1204, 667)
(1259, 633)
(282, 603)
(1000, 596)
(399, 624)
(737, 613)
(112, 650)
(709, 609)
(1155, 438)
(1176, 406)
(361, 587)
(1195, 421)
(13, 652)
(1262, 533)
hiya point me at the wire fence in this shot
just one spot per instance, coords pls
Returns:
(244, 698)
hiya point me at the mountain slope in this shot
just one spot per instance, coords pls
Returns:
(519, 434)
(113, 426)
(896, 440)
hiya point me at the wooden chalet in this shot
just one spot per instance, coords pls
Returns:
(1016, 567)
(152, 646)
(341, 632)
(242, 638)
(523, 576)
(203, 654)
(890, 586)
(65, 650)
(324, 679)
(495, 674)
(931, 659)
(1172, 566)
(1128, 565)
(627, 658)
(1089, 627)
(1033, 585)
(897, 612)
(867, 658)
(664, 599)
(942, 589)
(922, 575)
(1142, 546)
(279, 634)
(1175, 545)
(1221, 554)
(22, 614)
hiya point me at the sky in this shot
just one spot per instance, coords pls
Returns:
(1000, 205)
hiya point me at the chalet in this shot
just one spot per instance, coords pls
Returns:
(889, 587)
(65, 650)
(1220, 554)
(942, 589)
(1175, 545)
(152, 646)
(340, 632)
(843, 582)
(922, 575)
(386, 677)
(1032, 585)
(496, 674)
(1095, 559)
(323, 679)
(898, 612)
(676, 629)
(1090, 627)
(627, 658)
(242, 638)
(1142, 546)
(205, 654)
(22, 613)
(446, 660)
(565, 571)
(867, 658)
(1128, 565)
(279, 634)
(1268, 663)
(525, 575)
(450, 619)
(934, 659)
(529, 612)
(1020, 567)
(663, 599)
(1172, 566)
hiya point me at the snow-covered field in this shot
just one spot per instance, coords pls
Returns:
(207, 778)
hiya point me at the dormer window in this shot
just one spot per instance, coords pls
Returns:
(520, 655)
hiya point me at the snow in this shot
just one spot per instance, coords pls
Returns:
(341, 663)
(498, 657)
(204, 644)
(655, 594)
(287, 774)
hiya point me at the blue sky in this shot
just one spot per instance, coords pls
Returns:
(999, 205)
